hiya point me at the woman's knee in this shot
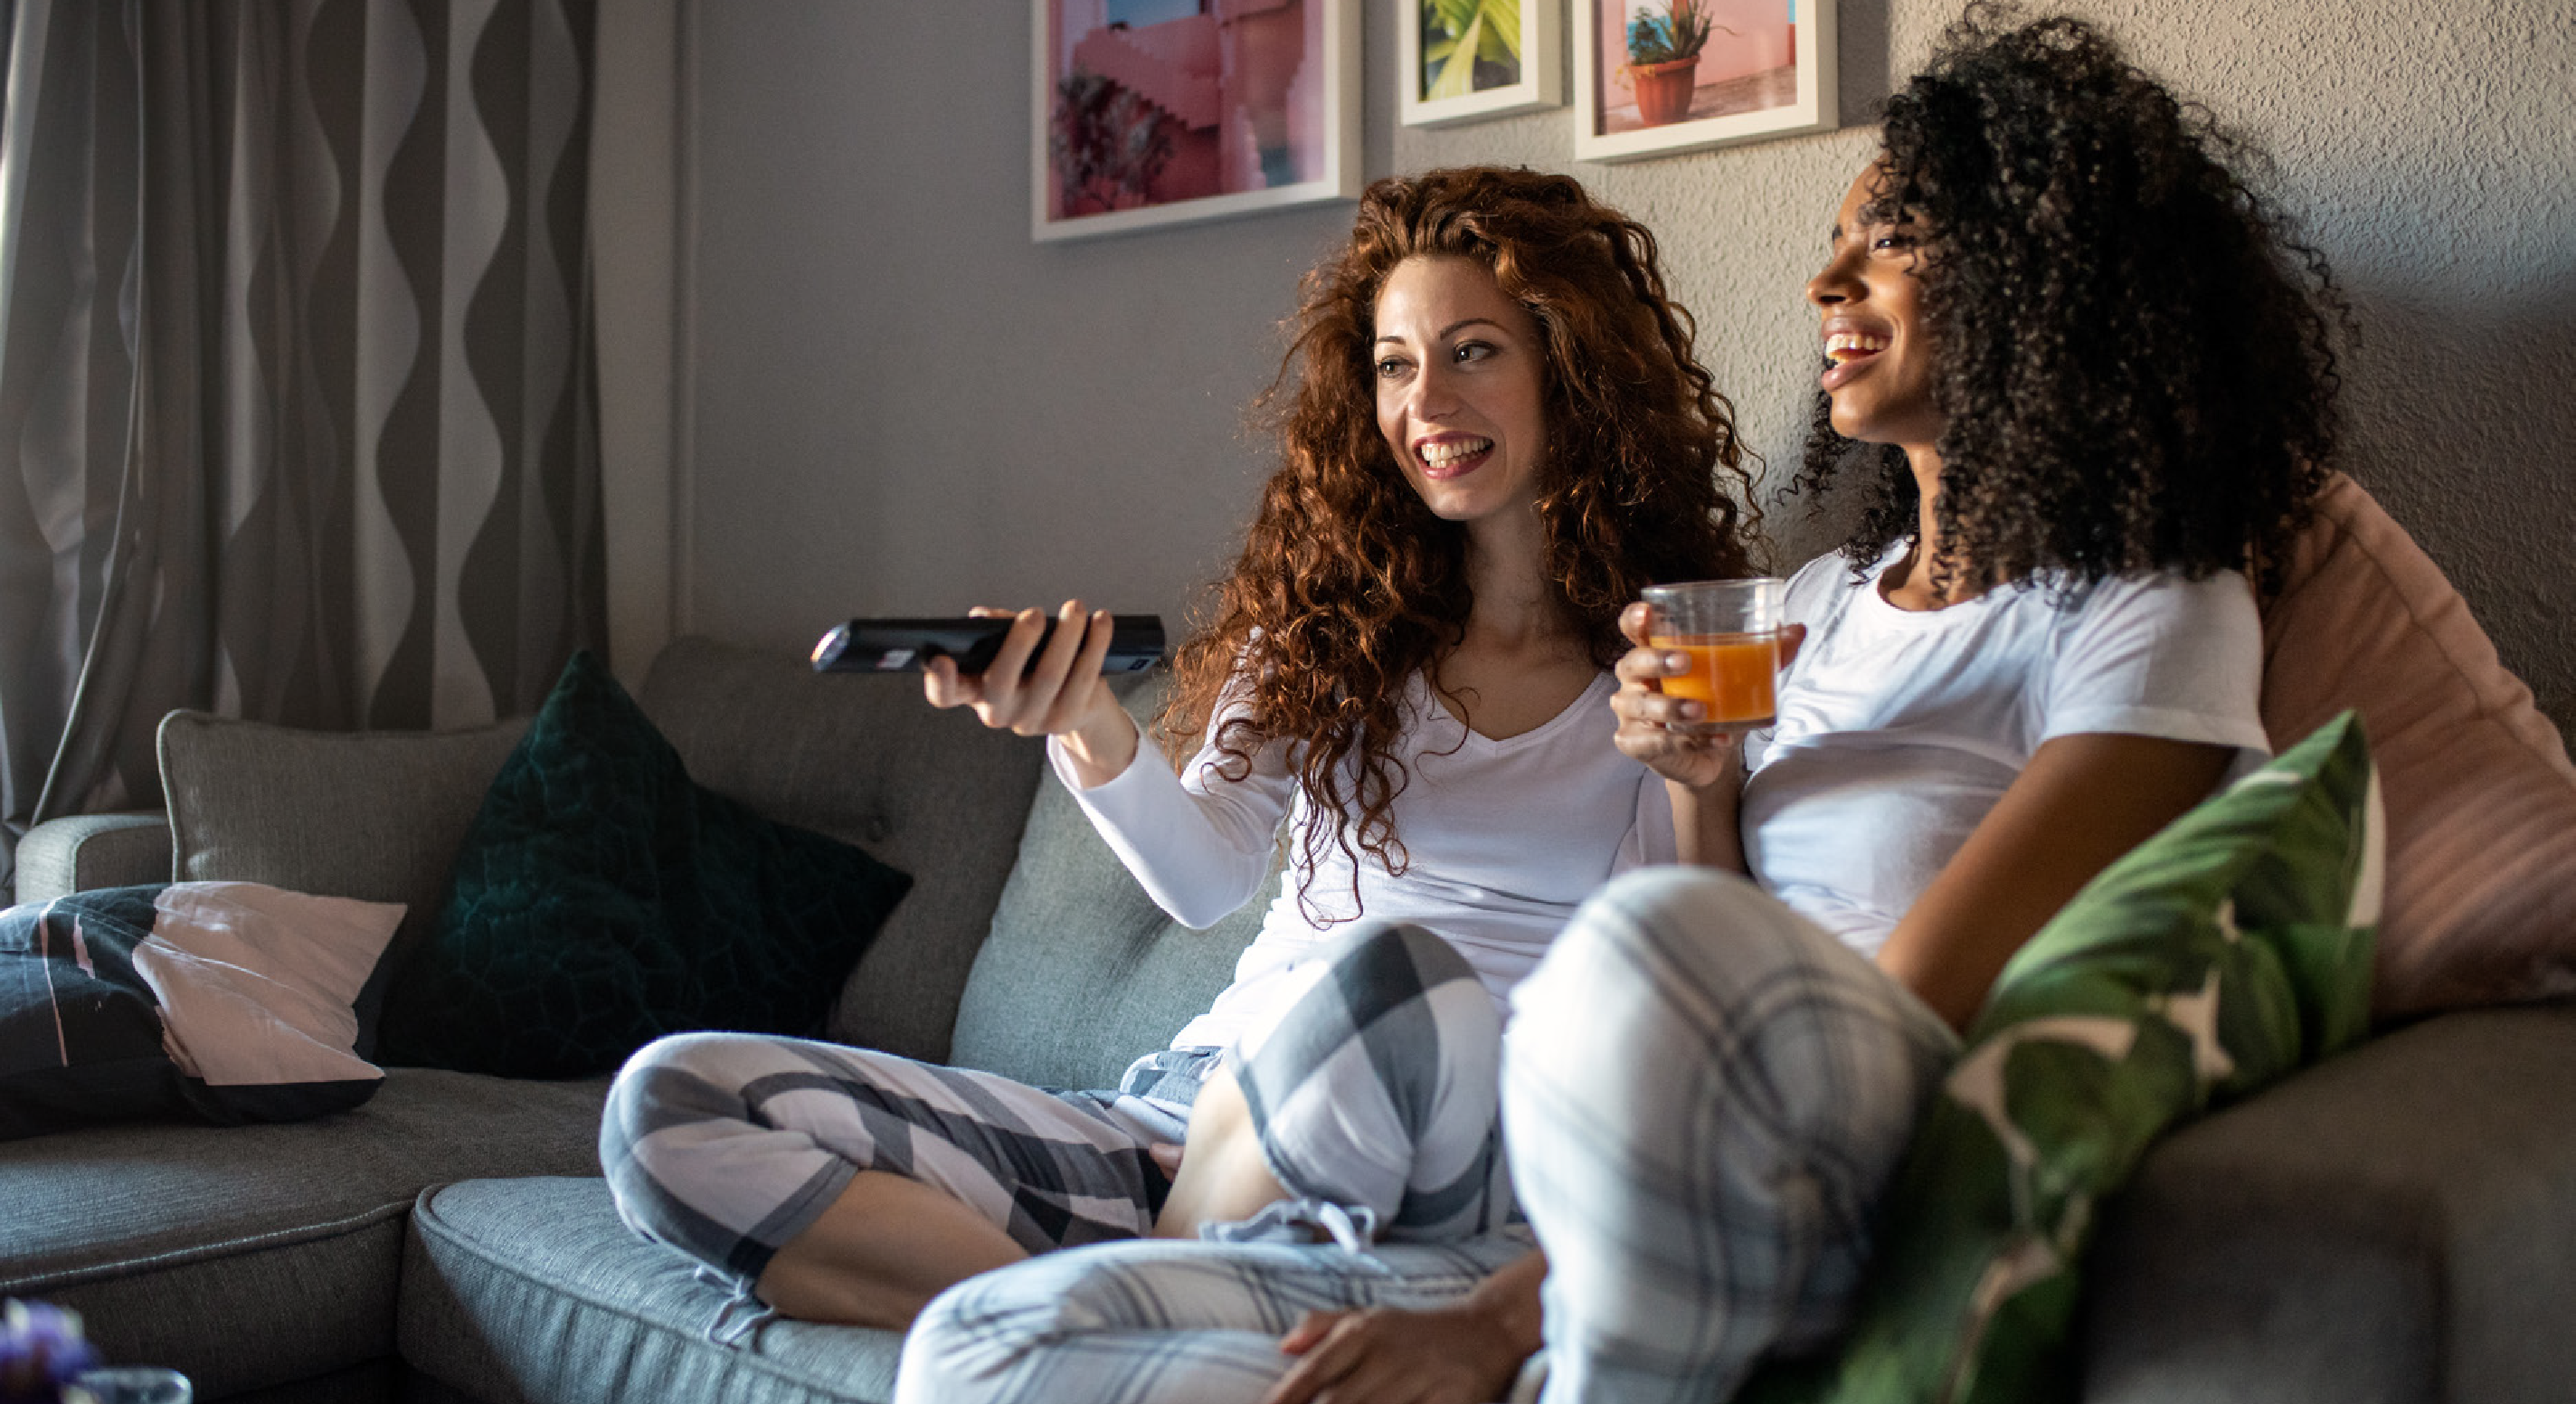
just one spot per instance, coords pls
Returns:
(1367, 978)
(1396, 957)
(1672, 964)
(1633, 953)
(691, 1076)
(1381, 1078)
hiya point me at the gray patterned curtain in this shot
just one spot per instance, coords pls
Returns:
(297, 415)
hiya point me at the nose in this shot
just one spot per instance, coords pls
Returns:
(1433, 393)
(1836, 282)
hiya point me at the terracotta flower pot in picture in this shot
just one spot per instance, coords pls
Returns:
(1664, 89)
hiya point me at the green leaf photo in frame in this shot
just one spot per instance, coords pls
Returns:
(1465, 60)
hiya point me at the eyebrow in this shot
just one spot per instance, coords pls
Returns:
(1452, 329)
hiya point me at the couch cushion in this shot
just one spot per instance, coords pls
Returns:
(1076, 933)
(2393, 1226)
(861, 757)
(252, 1256)
(371, 815)
(2481, 798)
(604, 899)
(534, 1289)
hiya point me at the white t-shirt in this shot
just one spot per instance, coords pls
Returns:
(1502, 840)
(1899, 730)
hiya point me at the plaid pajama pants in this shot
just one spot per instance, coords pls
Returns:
(1704, 1094)
(1373, 1095)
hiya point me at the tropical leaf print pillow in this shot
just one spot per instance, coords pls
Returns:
(2225, 952)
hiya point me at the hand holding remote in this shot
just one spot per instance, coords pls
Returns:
(1057, 692)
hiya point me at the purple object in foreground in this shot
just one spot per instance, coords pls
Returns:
(41, 1347)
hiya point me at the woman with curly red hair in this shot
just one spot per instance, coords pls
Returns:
(1494, 435)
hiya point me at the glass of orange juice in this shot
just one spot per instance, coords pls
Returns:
(1730, 630)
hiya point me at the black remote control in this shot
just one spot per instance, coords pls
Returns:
(892, 645)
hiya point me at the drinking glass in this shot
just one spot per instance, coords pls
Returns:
(129, 1384)
(1730, 631)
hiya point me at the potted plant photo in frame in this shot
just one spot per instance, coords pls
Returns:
(1151, 112)
(1463, 60)
(1653, 77)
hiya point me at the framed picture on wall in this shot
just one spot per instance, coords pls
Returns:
(1155, 112)
(1653, 77)
(1467, 59)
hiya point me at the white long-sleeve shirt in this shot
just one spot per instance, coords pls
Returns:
(1502, 840)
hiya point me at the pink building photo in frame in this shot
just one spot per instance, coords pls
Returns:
(1149, 104)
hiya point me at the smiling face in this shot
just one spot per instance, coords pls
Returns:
(1460, 388)
(1880, 379)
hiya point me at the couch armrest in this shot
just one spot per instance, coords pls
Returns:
(82, 851)
(2395, 1224)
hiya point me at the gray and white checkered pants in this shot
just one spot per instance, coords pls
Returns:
(1704, 1094)
(1374, 1089)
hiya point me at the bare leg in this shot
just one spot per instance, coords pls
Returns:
(881, 1252)
(1222, 1175)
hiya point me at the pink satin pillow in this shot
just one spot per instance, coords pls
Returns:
(2481, 904)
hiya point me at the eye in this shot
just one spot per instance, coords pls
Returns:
(1390, 367)
(1469, 352)
(1893, 239)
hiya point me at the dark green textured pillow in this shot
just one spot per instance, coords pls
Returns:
(603, 898)
(2230, 949)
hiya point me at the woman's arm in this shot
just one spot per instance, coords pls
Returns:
(1201, 850)
(2081, 802)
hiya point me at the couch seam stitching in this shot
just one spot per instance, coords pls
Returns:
(211, 1252)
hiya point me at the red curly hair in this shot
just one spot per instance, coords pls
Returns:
(1348, 585)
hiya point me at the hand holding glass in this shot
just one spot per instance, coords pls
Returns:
(1730, 632)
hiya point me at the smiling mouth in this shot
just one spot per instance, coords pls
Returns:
(1450, 458)
(1843, 347)
(1846, 352)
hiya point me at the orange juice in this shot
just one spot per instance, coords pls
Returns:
(1730, 673)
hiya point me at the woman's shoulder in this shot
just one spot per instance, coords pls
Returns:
(2211, 613)
(1814, 589)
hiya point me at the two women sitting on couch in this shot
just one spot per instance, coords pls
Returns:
(2089, 372)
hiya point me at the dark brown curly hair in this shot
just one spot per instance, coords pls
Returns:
(2133, 350)
(1348, 585)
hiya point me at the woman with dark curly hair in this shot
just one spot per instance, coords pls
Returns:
(2090, 368)
(1494, 435)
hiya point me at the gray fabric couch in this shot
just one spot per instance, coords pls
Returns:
(2396, 1225)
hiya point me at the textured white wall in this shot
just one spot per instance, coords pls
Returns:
(900, 403)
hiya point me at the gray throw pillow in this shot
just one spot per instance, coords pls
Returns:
(377, 816)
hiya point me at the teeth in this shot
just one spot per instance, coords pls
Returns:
(1841, 345)
(1454, 449)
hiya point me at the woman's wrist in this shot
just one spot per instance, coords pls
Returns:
(1704, 819)
(1103, 744)
(1508, 1304)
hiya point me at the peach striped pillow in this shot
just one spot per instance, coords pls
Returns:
(2481, 903)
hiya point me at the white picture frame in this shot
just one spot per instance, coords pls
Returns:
(1248, 130)
(1540, 84)
(1771, 78)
